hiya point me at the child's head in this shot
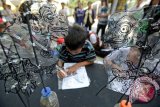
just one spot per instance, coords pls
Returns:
(104, 2)
(63, 5)
(80, 5)
(75, 39)
(89, 4)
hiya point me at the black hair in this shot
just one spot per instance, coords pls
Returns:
(76, 37)
(49, 0)
(89, 2)
(62, 3)
(106, 2)
(1, 14)
(152, 2)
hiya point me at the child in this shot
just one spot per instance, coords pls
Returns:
(76, 49)
(63, 11)
(80, 15)
(102, 18)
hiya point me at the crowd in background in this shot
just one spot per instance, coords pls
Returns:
(84, 17)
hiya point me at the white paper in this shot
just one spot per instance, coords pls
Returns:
(78, 80)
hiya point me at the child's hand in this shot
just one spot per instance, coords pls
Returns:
(72, 69)
(61, 74)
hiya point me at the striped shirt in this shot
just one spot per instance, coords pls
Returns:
(87, 54)
(103, 20)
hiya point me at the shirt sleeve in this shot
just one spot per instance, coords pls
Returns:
(62, 57)
(90, 56)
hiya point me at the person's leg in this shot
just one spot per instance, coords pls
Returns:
(86, 26)
(90, 26)
(103, 31)
(98, 28)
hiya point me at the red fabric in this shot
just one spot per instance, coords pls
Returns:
(151, 92)
(148, 96)
(1, 21)
(143, 89)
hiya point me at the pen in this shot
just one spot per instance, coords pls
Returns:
(61, 69)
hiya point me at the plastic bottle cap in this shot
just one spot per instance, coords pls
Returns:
(46, 91)
(60, 40)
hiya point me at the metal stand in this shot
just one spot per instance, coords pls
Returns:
(12, 70)
(20, 97)
(106, 85)
(33, 46)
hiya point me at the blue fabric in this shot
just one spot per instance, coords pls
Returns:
(80, 16)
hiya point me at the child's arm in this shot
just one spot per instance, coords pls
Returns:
(74, 68)
(104, 15)
(59, 73)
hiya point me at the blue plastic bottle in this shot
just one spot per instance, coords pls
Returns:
(48, 98)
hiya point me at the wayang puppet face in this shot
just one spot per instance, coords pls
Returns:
(49, 22)
(121, 29)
